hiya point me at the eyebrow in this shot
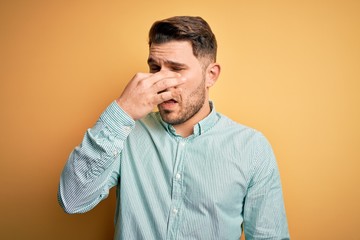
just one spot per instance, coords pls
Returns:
(151, 61)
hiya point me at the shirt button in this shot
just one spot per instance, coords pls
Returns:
(178, 176)
(175, 211)
(115, 152)
(127, 128)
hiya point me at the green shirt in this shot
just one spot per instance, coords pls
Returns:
(210, 185)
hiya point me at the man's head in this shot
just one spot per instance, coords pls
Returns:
(185, 45)
(185, 28)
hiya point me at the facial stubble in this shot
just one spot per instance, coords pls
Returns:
(193, 105)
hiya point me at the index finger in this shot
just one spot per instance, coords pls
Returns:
(158, 76)
(168, 82)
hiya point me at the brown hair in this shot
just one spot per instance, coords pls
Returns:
(186, 28)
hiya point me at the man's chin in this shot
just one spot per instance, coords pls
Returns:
(170, 117)
(166, 115)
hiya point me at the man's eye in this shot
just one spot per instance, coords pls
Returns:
(154, 69)
(177, 69)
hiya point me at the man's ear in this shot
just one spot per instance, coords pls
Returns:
(212, 74)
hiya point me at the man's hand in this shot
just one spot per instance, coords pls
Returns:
(147, 90)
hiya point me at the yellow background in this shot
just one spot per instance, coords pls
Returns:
(290, 69)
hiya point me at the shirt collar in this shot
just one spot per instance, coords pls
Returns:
(200, 128)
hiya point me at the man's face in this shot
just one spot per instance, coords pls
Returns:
(178, 56)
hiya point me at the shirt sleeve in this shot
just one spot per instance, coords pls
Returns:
(264, 211)
(93, 167)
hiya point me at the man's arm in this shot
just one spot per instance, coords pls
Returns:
(93, 167)
(264, 211)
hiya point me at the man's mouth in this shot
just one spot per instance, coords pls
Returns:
(168, 105)
(171, 101)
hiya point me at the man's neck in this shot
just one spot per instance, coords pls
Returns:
(187, 128)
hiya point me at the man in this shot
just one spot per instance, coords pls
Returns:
(186, 171)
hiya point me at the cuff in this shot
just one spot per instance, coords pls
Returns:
(117, 119)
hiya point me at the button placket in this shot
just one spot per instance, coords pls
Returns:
(176, 196)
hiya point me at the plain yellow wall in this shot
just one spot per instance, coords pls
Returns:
(289, 68)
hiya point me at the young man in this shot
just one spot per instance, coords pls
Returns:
(186, 171)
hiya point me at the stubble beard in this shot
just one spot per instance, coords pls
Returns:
(195, 102)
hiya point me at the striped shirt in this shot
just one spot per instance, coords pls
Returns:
(211, 185)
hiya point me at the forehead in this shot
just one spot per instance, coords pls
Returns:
(173, 50)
